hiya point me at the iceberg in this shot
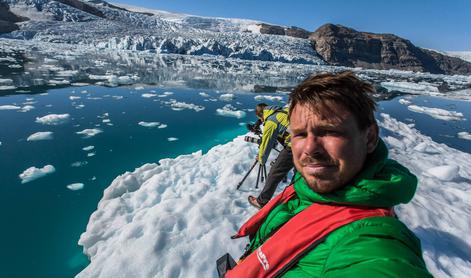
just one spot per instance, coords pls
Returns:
(33, 173)
(151, 222)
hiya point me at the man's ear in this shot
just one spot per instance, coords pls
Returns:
(372, 133)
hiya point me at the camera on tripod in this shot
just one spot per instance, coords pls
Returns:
(255, 127)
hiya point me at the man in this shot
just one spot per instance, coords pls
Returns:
(337, 218)
(275, 124)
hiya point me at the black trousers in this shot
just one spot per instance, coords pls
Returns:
(283, 164)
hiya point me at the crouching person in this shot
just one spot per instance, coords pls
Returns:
(337, 218)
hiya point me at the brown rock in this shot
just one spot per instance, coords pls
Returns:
(339, 45)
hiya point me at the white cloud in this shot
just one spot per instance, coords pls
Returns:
(53, 119)
(33, 173)
(43, 135)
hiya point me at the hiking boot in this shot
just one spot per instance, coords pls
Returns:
(253, 201)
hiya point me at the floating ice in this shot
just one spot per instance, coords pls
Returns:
(88, 148)
(149, 124)
(405, 101)
(162, 126)
(7, 87)
(74, 97)
(226, 97)
(9, 107)
(230, 111)
(464, 135)
(53, 119)
(89, 132)
(203, 94)
(33, 173)
(409, 87)
(170, 139)
(165, 94)
(6, 81)
(75, 186)
(79, 163)
(90, 154)
(206, 209)
(438, 113)
(26, 108)
(148, 95)
(43, 135)
(177, 106)
(272, 98)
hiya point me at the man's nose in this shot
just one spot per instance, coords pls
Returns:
(313, 144)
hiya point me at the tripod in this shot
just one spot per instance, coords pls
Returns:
(261, 175)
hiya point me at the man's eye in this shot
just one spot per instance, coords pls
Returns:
(299, 134)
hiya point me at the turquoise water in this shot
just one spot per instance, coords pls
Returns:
(43, 219)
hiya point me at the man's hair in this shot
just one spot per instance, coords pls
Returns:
(259, 109)
(322, 90)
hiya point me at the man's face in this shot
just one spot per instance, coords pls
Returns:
(328, 147)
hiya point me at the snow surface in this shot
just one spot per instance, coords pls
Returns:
(42, 135)
(464, 55)
(160, 219)
(33, 173)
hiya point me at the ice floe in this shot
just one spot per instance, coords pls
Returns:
(438, 113)
(53, 119)
(180, 105)
(88, 148)
(89, 132)
(230, 111)
(9, 107)
(271, 98)
(226, 97)
(42, 135)
(149, 124)
(146, 221)
(33, 173)
(464, 135)
(75, 186)
(171, 139)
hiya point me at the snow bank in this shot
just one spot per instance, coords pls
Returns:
(33, 173)
(53, 119)
(175, 218)
(43, 135)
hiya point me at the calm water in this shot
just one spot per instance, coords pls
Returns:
(43, 219)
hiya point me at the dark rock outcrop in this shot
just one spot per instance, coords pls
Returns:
(8, 19)
(284, 31)
(339, 45)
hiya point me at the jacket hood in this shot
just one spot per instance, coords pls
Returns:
(381, 183)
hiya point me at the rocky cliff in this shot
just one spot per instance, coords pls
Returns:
(339, 45)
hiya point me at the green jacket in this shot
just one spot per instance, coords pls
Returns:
(275, 125)
(371, 247)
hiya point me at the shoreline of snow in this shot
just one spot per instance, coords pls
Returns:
(190, 203)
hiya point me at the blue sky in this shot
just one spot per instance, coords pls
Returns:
(441, 25)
